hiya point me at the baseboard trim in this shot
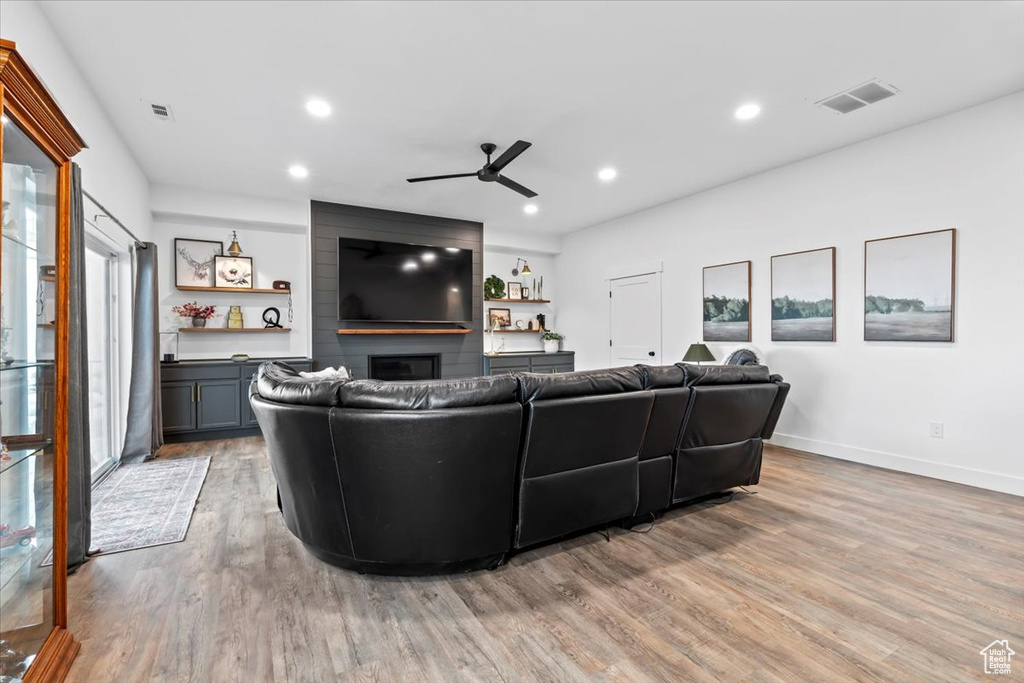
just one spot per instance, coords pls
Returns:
(961, 475)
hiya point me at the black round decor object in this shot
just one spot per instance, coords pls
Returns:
(272, 318)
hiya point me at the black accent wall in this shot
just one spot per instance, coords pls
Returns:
(461, 354)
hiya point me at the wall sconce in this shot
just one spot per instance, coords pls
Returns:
(526, 268)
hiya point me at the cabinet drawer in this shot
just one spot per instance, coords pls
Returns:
(557, 364)
(499, 363)
(191, 373)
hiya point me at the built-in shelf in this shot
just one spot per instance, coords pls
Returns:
(390, 331)
(520, 301)
(233, 290)
(515, 331)
(212, 330)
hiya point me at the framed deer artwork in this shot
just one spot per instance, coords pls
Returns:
(194, 262)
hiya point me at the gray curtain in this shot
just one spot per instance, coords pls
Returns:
(145, 433)
(79, 458)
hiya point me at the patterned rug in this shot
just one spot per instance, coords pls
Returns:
(148, 504)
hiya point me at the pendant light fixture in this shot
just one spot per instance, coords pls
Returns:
(234, 249)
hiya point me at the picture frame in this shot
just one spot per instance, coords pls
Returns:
(910, 287)
(726, 309)
(233, 271)
(526, 293)
(804, 295)
(499, 318)
(514, 290)
(193, 262)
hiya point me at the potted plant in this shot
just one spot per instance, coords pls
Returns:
(198, 314)
(551, 340)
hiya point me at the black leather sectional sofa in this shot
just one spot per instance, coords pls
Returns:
(454, 475)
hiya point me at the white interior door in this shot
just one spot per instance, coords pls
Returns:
(636, 320)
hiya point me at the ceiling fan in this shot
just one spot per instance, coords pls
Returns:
(491, 171)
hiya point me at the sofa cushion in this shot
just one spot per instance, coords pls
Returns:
(661, 376)
(429, 394)
(276, 381)
(543, 386)
(703, 375)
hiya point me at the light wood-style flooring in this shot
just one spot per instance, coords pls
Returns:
(833, 571)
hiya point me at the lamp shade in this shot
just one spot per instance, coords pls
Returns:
(526, 269)
(697, 353)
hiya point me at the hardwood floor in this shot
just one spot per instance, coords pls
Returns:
(832, 571)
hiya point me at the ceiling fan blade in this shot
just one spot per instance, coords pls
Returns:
(439, 177)
(508, 155)
(513, 185)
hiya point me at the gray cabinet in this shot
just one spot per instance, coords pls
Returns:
(218, 404)
(178, 402)
(209, 399)
(506, 363)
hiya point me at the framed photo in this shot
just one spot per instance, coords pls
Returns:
(909, 287)
(526, 293)
(515, 290)
(804, 295)
(727, 302)
(499, 318)
(233, 271)
(193, 262)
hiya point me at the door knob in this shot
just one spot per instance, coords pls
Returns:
(651, 354)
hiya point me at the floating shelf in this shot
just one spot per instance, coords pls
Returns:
(390, 331)
(514, 331)
(520, 301)
(48, 325)
(48, 278)
(213, 330)
(233, 290)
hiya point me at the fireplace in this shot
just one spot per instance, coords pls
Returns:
(403, 367)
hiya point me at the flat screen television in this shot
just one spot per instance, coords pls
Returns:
(395, 282)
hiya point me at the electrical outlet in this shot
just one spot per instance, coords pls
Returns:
(936, 430)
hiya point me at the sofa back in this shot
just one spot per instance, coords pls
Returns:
(581, 441)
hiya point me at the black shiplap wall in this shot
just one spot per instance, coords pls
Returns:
(461, 355)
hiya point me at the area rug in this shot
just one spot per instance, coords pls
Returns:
(139, 506)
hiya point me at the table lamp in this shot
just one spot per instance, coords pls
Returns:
(697, 353)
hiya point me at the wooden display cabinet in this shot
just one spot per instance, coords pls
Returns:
(37, 143)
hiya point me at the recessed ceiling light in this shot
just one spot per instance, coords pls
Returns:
(429, 257)
(530, 209)
(748, 111)
(297, 171)
(318, 108)
(607, 174)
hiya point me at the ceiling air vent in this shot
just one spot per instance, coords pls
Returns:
(858, 97)
(162, 112)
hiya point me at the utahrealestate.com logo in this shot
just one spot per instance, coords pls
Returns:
(997, 657)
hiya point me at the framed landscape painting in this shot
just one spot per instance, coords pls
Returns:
(909, 287)
(193, 262)
(804, 295)
(727, 302)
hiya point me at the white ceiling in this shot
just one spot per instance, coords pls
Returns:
(649, 88)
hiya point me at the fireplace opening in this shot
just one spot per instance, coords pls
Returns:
(395, 368)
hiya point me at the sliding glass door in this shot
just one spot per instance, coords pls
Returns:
(101, 309)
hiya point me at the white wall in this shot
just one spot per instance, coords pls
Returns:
(109, 171)
(273, 233)
(868, 402)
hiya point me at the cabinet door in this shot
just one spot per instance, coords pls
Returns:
(178, 402)
(218, 404)
(248, 416)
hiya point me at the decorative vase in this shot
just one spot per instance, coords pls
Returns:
(550, 346)
(198, 322)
